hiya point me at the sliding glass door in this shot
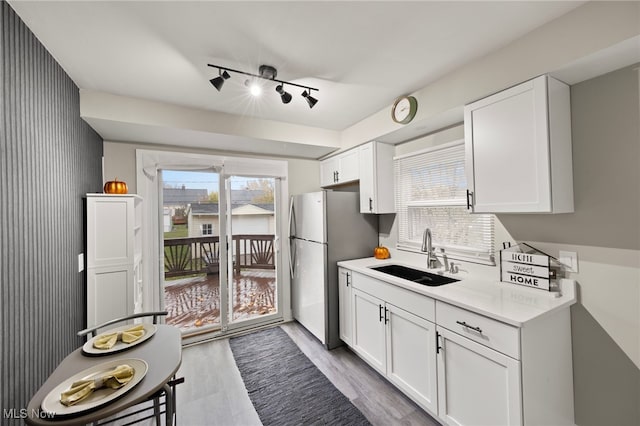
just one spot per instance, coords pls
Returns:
(191, 248)
(221, 250)
(252, 217)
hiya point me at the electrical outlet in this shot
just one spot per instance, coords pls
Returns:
(81, 262)
(569, 259)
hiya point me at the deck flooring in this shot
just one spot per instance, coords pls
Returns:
(195, 301)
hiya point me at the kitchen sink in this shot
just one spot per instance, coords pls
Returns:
(415, 275)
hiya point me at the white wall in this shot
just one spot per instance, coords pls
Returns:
(120, 162)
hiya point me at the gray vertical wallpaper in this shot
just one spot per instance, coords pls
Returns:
(49, 158)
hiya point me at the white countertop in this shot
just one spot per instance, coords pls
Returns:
(509, 303)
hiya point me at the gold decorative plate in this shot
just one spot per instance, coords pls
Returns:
(88, 349)
(52, 405)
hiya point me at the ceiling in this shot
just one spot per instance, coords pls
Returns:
(361, 55)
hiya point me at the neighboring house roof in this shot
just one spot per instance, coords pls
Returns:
(251, 209)
(182, 196)
(204, 208)
(244, 196)
(236, 208)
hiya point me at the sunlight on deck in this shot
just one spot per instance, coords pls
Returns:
(195, 301)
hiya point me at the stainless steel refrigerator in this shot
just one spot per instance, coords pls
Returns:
(325, 227)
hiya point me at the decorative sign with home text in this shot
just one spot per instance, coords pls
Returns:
(524, 265)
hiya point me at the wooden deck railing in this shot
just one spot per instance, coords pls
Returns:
(194, 255)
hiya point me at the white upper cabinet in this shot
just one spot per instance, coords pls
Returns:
(376, 178)
(518, 149)
(342, 168)
(372, 165)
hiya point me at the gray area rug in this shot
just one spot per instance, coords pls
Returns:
(285, 387)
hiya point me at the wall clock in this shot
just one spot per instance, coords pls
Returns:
(404, 109)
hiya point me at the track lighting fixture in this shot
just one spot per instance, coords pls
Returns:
(218, 82)
(265, 72)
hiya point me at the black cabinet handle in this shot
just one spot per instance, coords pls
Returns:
(380, 312)
(438, 347)
(469, 195)
(464, 324)
(370, 204)
(348, 276)
(334, 177)
(337, 176)
(386, 318)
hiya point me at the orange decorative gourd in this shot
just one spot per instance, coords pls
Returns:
(115, 187)
(381, 252)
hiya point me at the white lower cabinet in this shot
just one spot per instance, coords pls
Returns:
(411, 356)
(368, 329)
(476, 385)
(396, 342)
(462, 367)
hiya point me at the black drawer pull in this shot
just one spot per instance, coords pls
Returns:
(464, 324)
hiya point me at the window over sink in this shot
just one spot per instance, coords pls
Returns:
(430, 187)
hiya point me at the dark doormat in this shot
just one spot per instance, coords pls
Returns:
(285, 387)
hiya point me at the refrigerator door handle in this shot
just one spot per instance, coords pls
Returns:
(291, 238)
(292, 250)
(292, 222)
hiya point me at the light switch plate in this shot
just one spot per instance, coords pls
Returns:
(81, 262)
(569, 259)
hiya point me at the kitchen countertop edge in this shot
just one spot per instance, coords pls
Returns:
(509, 303)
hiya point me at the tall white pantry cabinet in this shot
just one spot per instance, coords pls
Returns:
(114, 256)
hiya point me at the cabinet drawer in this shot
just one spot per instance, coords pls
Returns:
(486, 331)
(417, 304)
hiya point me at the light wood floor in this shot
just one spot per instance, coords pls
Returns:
(214, 394)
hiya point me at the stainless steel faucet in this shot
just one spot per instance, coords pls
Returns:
(432, 260)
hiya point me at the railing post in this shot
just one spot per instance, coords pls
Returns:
(236, 265)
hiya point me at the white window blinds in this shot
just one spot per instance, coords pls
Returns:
(431, 193)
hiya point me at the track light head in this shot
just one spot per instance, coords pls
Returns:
(218, 82)
(310, 99)
(284, 96)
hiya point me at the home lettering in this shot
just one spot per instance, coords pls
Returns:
(524, 280)
(522, 257)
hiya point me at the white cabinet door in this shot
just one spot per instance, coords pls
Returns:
(110, 224)
(476, 385)
(367, 179)
(349, 166)
(340, 169)
(109, 294)
(376, 178)
(515, 145)
(411, 356)
(344, 297)
(369, 329)
(328, 171)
